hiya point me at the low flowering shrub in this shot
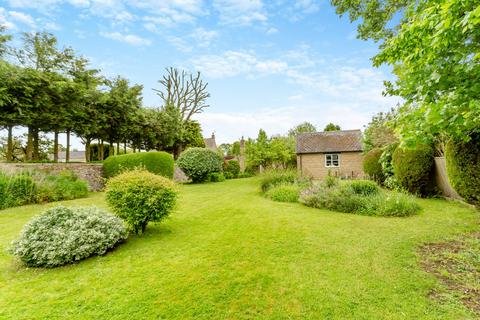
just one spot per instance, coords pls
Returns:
(139, 196)
(360, 197)
(284, 193)
(274, 178)
(199, 163)
(64, 235)
(63, 186)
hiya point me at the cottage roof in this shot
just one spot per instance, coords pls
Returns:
(330, 141)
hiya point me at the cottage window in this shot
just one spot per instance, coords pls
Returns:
(332, 160)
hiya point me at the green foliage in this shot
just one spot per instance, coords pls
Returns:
(360, 197)
(284, 193)
(64, 235)
(278, 151)
(199, 163)
(372, 165)
(413, 168)
(139, 196)
(463, 167)
(274, 178)
(95, 151)
(231, 168)
(19, 189)
(386, 160)
(330, 181)
(216, 177)
(332, 127)
(364, 187)
(62, 186)
(379, 132)
(304, 127)
(157, 162)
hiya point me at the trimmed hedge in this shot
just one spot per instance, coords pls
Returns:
(157, 162)
(139, 196)
(199, 163)
(372, 165)
(413, 168)
(64, 235)
(463, 168)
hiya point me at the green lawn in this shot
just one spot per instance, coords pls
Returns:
(228, 253)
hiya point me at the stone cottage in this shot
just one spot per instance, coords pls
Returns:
(338, 153)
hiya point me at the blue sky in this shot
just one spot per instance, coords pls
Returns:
(269, 64)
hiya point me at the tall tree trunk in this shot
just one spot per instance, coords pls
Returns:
(118, 147)
(67, 152)
(10, 144)
(29, 150)
(101, 151)
(55, 146)
(125, 147)
(36, 145)
(87, 149)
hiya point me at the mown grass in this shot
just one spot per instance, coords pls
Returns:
(229, 253)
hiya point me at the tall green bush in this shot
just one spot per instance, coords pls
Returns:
(463, 168)
(21, 190)
(157, 162)
(372, 165)
(231, 169)
(413, 169)
(199, 163)
(139, 196)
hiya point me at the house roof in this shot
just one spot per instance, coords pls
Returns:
(330, 141)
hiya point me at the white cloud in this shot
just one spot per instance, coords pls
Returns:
(22, 18)
(240, 12)
(127, 38)
(4, 19)
(271, 31)
(204, 37)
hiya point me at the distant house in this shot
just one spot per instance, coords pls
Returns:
(338, 153)
(210, 143)
(75, 156)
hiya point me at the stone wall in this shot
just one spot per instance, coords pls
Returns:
(313, 165)
(90, 172)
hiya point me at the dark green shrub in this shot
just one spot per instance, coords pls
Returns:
(372, 165)
(216, 177)
(63, 186)
(139, 196)
(386, 159)
(199, 163)
(413, 168)
(108, 150)
(21, 190)
(364, 187)
(64, 235)
(231, 169)
(274, 178)
(245, 175)
(284, 193)
(463, 168)
(157, 162)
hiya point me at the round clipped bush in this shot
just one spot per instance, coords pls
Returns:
(413, 167)
(372, 165)
(463, 168)
(139, 196)
(284, 193)
(64, 235)
(364, 187)
(232, 169)
(157, 162)
(199, 163)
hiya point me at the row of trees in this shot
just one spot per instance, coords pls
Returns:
(45, 88)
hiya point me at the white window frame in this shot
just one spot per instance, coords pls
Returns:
(327, 155)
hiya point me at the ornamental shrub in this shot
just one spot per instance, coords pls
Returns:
(199, 163)
(284, 193)
(21, 190)
(157, 162)
(216, 177)
(413, 168)
(64, 235)
(390, 204)
(63, 186)
(139, 196)
(231, 169)
(274, 178)
(463, 168)
(364, 187)
(372, 165)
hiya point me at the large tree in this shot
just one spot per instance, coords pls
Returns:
(434, 48)
(304, 127)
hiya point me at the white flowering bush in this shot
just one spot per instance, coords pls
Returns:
(64, 235)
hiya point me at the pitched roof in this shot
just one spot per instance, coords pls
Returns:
(330, 141)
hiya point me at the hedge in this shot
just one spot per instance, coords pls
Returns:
(199, 163)
(413, 168)
(463, 168)
(157, 162)
(372, 165)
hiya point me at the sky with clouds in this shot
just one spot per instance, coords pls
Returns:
(269, 64)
